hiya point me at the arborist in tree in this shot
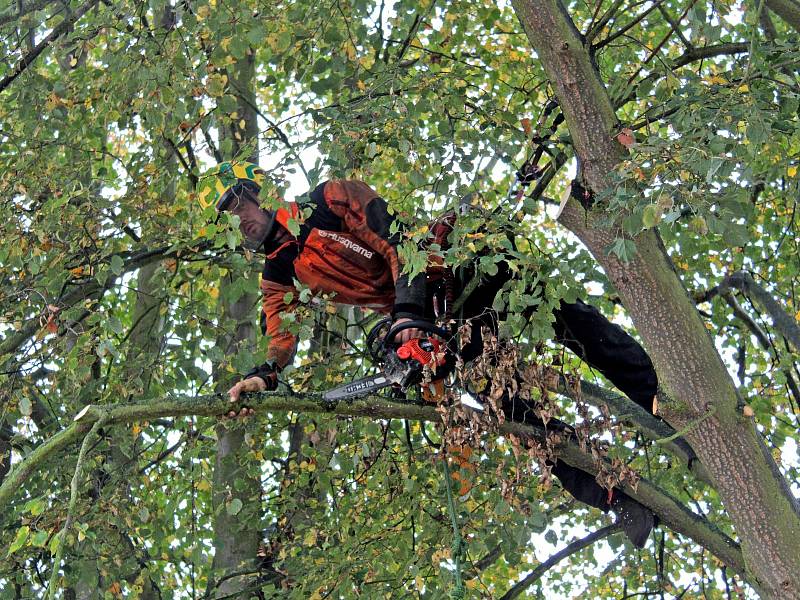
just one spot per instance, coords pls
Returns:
(345, 248)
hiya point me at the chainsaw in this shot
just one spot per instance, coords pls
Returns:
(403, 365)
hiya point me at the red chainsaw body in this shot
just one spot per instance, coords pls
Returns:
(426, 351)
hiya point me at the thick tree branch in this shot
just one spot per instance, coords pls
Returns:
(690, 370)
(92, 289)
(690, 56)
(571, 549)
(57, 32)
(784, 323)
(788, 10)
(649, 425)
(671, 511)
(26, 9)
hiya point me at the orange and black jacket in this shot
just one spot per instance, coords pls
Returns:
(344, 249)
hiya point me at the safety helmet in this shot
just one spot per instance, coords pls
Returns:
(216, 184)
(229, 180)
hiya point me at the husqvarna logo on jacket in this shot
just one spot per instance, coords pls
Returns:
(346, 242)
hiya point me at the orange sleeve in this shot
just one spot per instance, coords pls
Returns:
(282, 343)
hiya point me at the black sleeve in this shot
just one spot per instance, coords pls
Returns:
(409, 299)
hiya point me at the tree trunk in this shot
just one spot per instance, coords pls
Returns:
(691, 373)
(236, 532)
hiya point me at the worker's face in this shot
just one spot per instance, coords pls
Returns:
(254, 222)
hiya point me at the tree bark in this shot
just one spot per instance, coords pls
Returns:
(237, 533)
(690, 371)
(672, 513)
(788, 10)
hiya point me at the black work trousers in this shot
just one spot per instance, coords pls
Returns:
(583, 329)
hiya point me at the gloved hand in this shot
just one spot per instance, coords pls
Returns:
(260, 379)
(406, 334)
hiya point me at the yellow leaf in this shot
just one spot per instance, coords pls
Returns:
(213, 292)
(204, 485)
(310, 538)
(792, 171)
(744, 88)
(242, 124)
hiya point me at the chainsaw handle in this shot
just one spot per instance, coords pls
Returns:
(425, 326)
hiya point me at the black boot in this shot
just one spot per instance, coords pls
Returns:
(637, 521)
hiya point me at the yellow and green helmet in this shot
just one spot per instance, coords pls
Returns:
(217, 182)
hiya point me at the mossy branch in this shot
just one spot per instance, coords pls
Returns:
(73, 500)
(671, 511)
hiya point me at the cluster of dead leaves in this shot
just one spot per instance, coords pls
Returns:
(506, 386)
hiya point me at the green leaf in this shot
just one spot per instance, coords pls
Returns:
(238, 47)
(39, 538)
(284, 41)
(625, 249)
(35, 506)
(713, 166)
(651, 215)
(256, 35)
(233, 507)
(227, 104)
(293, 226)
(115, 325)
(19, 541)
(117, 264)
(25, 407)
(55, 543)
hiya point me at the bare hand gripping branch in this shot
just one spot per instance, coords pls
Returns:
(671, 512)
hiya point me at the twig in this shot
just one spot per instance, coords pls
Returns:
(689, 426)
(73, 500)
(636, 20)
(57, 32)
(744, 282)
(571, 549)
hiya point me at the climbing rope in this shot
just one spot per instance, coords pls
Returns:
(457, 549)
